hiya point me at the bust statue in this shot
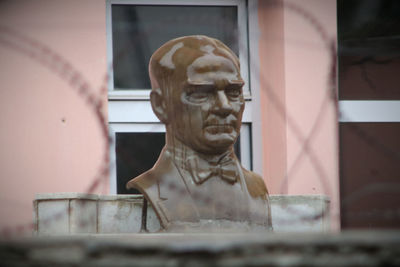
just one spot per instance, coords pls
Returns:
(197, 182)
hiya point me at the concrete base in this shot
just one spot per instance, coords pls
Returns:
(366, 248)
(300, 213)
(72, 213)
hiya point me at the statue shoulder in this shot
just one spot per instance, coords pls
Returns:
(143, 182)
(255, 184)
(149, 179)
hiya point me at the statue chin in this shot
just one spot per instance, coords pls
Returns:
(218, 144)
(211, 143)
(221, 139)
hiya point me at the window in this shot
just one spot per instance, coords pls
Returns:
(135, 29)
(369, 101)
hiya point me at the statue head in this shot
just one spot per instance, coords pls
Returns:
(197, 93)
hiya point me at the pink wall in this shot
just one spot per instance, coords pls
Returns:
(272, 94)
(50, 139)
(294, 68)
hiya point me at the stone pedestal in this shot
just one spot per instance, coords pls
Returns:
(65, 213)
(366, 248)
(73, 213)
(300, 213)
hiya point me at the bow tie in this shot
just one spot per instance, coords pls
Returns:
(201, 170)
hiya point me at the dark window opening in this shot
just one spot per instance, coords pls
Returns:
(138, 30)
(137, 153)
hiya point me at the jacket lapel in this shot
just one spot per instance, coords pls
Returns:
(174, 200)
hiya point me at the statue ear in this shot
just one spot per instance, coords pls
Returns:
(158, 104)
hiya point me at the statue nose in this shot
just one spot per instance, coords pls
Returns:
(222, 106)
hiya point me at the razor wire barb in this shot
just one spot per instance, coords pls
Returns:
(56, 64)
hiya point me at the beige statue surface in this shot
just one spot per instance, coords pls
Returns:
(198, 183)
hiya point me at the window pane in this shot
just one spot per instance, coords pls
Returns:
(138, 30)
(137, 153)
(369, 54)
(370, 175)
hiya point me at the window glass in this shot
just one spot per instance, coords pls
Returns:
(370, 169)
(135, 154)
(369, 64)
(369, 54)
(138, 30)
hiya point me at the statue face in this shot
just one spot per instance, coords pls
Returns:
(207, 107)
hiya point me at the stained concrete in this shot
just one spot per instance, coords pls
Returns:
(71, 213)
(365, 248)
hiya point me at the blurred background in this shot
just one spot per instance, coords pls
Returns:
(322, 97)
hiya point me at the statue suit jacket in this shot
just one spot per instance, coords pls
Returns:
(164, 187)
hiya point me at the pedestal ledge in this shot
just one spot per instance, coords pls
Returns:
(364, 248)
(66, 195)
(71, 213)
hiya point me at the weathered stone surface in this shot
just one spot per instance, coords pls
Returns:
(64, 213)
(366, 248)
(153, 224)
(119, 214)
(52, 217)
(82, 216)
(300, 213)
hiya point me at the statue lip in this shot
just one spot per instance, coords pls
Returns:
(220, 124)
(215, 122)
(220, 128)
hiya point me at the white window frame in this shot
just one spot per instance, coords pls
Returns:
(130, 110)
(143, 93)
(369, 111)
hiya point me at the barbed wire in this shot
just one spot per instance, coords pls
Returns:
(56, 64)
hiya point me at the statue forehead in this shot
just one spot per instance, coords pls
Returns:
(178, 54)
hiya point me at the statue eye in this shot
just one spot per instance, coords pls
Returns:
(233, 92)
(197, 96)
